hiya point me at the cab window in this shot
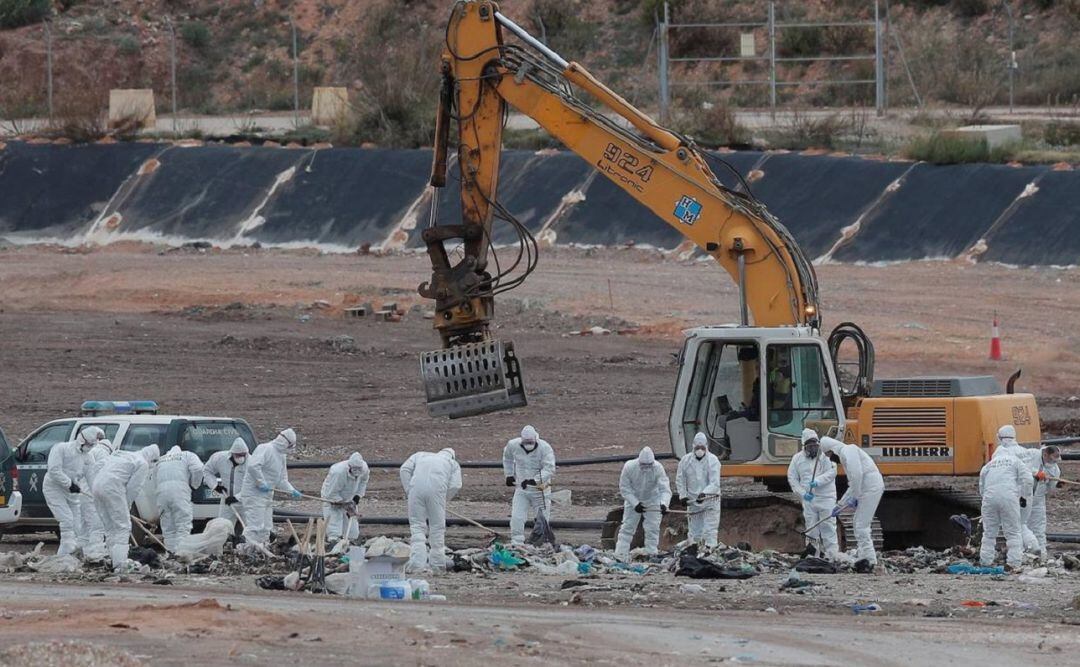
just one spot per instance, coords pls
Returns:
(37, 446)
(139, 436)
(798, 394)
(724, 399)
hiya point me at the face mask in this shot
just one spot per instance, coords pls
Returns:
(528, 446)
(812, 452)
(699, 453)
(85, 447)
(239, 460)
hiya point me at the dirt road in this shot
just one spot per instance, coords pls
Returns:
(175, 626)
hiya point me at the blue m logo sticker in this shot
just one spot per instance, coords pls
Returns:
(687, 209)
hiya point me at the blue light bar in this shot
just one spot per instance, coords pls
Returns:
(98, 408)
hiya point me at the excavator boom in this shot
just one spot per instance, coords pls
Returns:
(481, 76)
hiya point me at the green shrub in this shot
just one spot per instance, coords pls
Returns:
(712, 127)
(196, 34)
(17, 13)
(1061, 133)
(128, 45)
(940, 148)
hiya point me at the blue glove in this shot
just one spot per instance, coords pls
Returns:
(296, 495)
(836, 511)
(813, 484)
(853, 503)
(265, 488)
(808, 496)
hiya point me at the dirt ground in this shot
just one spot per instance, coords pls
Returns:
(258, 334)
(178, 626)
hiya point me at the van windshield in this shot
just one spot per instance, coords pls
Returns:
(206, 437)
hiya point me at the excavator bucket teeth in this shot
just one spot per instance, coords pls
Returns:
(472, 379)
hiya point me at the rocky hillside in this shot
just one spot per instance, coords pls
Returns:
(235, 55)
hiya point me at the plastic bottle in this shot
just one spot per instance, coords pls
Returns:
(420, 589)
(395, 590)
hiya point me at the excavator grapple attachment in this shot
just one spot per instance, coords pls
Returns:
(472, 379)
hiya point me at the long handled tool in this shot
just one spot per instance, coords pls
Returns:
(496, 535)
(1065, 481)
(149, 533)
(309, 497)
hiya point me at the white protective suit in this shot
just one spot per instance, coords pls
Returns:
(116, 486)
(865, 488)
(644, 485)
(345, 482)
(1036, 522)
(64, 482)
(266, 471)
(813, 479)
(696, 476)
(92, 539)
(1001, 483)
(430, 481)
(1006, 440)
(223, 474)
(529, 466)
(178, 473)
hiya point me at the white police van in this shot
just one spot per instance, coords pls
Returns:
(133, 425)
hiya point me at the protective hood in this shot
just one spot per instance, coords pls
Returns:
(831, 446)
(1006, 435)
(700, 440)
(450, 452)
(286, 440)
(529, 433)
(150, 453)
(89, 436)
(809, 434)
(356, 464)
(646, 457)
(108, 445)
(239, 447)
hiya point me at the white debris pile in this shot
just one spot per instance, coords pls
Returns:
(11, 561)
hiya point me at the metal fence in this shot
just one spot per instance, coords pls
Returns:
(775, 30)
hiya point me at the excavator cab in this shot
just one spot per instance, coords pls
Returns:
(752, 391)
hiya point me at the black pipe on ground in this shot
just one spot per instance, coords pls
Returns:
(557, 524)
(562, 463)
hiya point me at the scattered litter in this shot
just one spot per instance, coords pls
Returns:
(973, 603)
(691, 589)
(503, 559)
(871, 608)
(813, 565)
(695, 567)
(56, 565)
(967, 568)
(793, 582)
(13, 560)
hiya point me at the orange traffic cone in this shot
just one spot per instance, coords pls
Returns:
(995, 341)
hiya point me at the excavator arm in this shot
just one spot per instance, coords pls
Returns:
(481, 76)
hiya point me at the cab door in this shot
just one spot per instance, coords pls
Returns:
(32, 458)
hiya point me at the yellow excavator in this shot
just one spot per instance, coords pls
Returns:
(750, 387)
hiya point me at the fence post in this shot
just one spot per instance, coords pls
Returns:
(662, 55)
(172, 71)
(296, 76)
(772, 58)
(48, 67)
(879, 74)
